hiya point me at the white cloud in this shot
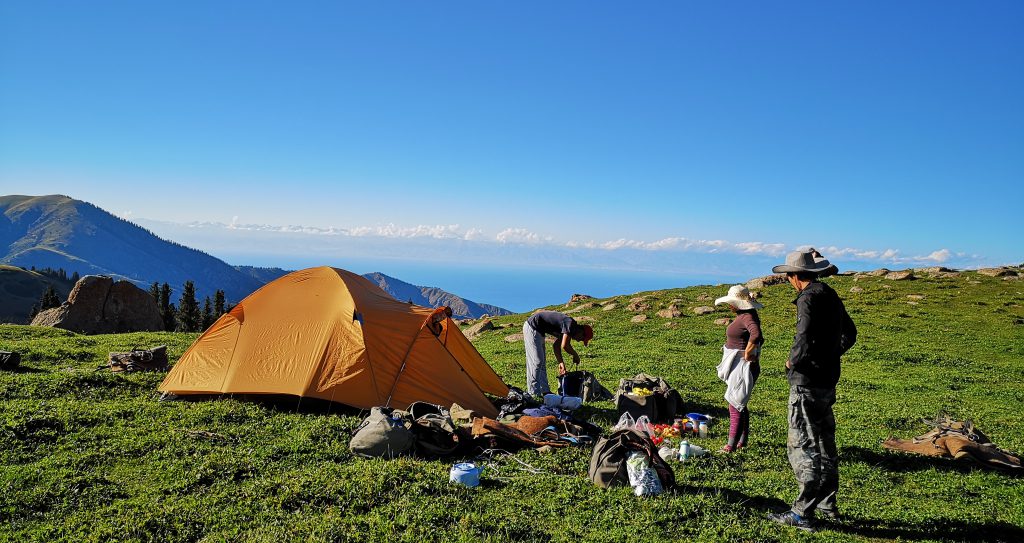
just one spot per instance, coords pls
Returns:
(940, 256)
(520, 235)
(523, 236)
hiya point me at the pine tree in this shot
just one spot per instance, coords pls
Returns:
(218, 304)
(207, 313)
(33, 312)
(189, 317)
(154, 291)
(167, 309)
(50, 299)
(75, 277)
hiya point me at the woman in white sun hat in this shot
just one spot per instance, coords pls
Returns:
(740, 364)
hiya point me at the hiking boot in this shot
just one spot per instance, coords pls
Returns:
(790, 518)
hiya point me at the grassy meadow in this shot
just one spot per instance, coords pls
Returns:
(87, 455)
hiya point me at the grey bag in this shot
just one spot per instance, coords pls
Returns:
(385, 433)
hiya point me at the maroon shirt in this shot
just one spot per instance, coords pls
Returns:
(744, 328)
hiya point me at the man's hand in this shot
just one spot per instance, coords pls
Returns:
(561, 368)
(789, 365)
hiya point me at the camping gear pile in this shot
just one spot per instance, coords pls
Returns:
(431, 431)
(958, 440)
(154, 359)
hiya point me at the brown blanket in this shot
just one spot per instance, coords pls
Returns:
(483, 426)
(954, 439)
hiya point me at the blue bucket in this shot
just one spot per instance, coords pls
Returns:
(465, 473)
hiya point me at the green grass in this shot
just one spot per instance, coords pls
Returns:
(87, 455)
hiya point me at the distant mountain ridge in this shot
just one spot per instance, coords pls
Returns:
(434, 297)
(60, 232)
(405, 292)
(57, 231)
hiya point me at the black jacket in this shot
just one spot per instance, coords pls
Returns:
(824, 331)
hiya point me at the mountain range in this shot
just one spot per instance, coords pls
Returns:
(58, 231)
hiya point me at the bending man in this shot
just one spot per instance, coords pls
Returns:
(564, 329)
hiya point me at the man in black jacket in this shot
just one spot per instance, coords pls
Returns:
(824, 331)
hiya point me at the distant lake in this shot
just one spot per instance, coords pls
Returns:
(519, 289)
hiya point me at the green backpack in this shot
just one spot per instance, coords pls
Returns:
(385, 433)
(434, 430)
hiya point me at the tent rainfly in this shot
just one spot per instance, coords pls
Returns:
(334, 335)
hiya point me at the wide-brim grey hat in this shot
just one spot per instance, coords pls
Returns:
(802, 261)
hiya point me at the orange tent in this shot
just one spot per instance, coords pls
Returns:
(331, 334)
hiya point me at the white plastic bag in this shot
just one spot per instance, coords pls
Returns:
(636, 463)
(643, 425)
(642, 477)
(625, 421)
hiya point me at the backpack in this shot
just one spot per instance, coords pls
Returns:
(608, 461)
(434, 430)
(9, 360)
(385, 433)
(584, 385)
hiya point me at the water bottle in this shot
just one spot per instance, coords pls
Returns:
(703, 429)
(684, 450)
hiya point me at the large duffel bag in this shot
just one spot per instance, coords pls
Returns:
(608, 461)
(636, 406)
(9, 360)
(661, 406)
(385, 433)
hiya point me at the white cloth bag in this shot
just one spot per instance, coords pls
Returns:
(739, 382)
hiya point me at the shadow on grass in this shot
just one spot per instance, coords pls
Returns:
(764, 504)
(716, 411)
(934, 529)
(25, 369)
(280, 403)
(906, 462)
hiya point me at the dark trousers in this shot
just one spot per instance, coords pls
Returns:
(812, 448)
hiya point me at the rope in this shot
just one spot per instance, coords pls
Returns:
(489, 459)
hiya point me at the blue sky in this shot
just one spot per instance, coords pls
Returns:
(659, 135)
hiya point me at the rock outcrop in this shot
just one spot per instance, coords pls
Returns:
(766, 281)
(99, 305)
(478, 328)
(578, 298)
(905, 275)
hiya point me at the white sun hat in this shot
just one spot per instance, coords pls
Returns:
(739, 296)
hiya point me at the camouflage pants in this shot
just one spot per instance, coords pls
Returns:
(812, 448)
